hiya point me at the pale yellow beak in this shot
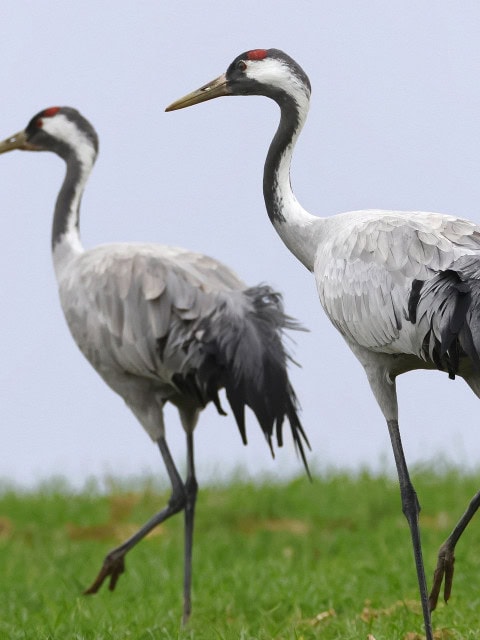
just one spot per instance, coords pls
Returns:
(214, 89)
(17, 141)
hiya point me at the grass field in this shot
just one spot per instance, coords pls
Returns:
(329, 560)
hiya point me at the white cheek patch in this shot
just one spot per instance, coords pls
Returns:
(277, 74)
(61, 128)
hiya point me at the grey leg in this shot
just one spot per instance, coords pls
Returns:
(411, 510)
(191, 488)
(114, 563)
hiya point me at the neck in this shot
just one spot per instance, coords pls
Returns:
(66, 241)
(291, 221)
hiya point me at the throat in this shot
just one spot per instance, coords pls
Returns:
(66, 241)
(296, 227)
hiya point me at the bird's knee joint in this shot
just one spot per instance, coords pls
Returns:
(410, 503)
(177, 501)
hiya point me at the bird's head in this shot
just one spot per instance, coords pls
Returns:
(62, 130)
(264, 72)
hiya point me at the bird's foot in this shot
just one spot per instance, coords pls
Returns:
(113, 567)
(444, 570)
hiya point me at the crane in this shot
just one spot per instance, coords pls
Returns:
(162, 324)
(401, 287)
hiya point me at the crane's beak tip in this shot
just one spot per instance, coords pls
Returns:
(214, 89)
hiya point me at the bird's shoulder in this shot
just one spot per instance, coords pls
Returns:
(138, 290)
(367, 261)
(405, 243)
(149, 268)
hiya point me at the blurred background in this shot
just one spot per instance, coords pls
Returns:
(394, 123)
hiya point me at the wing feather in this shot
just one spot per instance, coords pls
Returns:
(368, 261)
(119, 300)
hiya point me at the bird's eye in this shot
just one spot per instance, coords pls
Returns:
(241, 66)
(39, 123)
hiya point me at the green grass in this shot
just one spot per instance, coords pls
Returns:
(329, 560)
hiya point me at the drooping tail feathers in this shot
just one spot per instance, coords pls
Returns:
(448, 307)
(243, 351)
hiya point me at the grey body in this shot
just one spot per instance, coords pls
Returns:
(390, 283)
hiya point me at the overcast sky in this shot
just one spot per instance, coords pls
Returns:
(394, 123)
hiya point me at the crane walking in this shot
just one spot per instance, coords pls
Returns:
(401, 287)
(162, 324)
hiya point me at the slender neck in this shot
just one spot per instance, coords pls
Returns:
(66, 241)
(291, 221)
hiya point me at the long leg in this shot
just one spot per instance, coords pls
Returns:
(114, 563)
(446, 555)
(411, 510)
(191, 488)
(383, 387)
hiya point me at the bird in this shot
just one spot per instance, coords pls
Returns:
(402, 288)
(163, 324)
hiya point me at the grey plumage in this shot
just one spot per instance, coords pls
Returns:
(162, 324)
(371, 268)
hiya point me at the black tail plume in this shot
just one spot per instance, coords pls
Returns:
(245, 342)
(449, 307)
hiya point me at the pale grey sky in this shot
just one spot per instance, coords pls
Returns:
(394, 123)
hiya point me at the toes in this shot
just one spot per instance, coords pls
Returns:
(112, 568)
(437, 584)
(115, 573)
(449, 568)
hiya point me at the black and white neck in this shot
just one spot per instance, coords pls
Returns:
(279, 77)
(75, 141)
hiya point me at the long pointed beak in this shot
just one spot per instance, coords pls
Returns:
(17, 141)
(214, 89)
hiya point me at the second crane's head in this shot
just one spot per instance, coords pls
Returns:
(264, 72)
(62, 130)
